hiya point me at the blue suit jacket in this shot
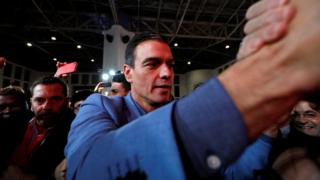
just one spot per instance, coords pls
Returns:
(202, 132)
(255, 157)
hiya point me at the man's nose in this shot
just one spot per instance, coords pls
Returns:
(165, 71)
(303, 119)
(47, 104)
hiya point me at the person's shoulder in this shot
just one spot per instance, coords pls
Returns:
(115, 101)
(95, 96)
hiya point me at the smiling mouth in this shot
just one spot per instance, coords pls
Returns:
(305, 126)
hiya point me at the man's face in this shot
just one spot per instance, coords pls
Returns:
(47, 103)
(117, 89)
(10, 107)
(306, 119)
(152, 76)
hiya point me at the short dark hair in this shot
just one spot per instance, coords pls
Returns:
(135, 41)
(314, 99)
(120, 78)
(48, 80)
(80, 95)
(16, 92)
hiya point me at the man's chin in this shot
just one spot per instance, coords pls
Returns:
(311, 132)
(162, 101)
(47, 122)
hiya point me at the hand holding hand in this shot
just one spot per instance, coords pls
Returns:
(268, 21)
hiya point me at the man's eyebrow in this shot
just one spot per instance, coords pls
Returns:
(156, 59)
(150, 59)
(310, 111)
(171, 60)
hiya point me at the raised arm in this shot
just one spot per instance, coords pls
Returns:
(270, 82)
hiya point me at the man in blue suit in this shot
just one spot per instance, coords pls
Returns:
(149, 69)
(198, 135)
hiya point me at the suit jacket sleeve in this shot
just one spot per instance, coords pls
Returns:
(94, 118)
(255, 157)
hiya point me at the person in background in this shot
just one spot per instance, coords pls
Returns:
(77, 99)
(102, 88)
(306, 118)
(14, 116)
(299, 149)
(279, 154)
(44, 139)
(119, 86)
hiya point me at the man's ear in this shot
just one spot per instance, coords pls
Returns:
(31, 109)
(127, 71)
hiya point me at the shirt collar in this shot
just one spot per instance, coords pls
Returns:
(130, 99)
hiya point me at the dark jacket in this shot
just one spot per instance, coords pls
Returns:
(51, 151)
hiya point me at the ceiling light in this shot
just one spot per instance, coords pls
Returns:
(189, 62)
(55, 59)
(105, 77)
(227, 46)
(29, 44)
(79, 46)
(175, 44)
(112, 72)
(53, 38)
(92, 60)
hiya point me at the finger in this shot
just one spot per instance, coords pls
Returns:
(59, 64)
(268, 34)
(284, 13)
(256, 40)
(248, 47)
(262, 6)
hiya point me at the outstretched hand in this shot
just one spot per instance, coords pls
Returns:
(268, 21)
(272, 80)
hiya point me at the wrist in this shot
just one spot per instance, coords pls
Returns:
(262, 92)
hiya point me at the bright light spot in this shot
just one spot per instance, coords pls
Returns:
(105, 76)
(189, 62)
(175, 44)
(29, 44)
(106, 93)
(227, 46)
(53, 38)
(92, 60)
(79, 46)
(112, 72)
(55, 59)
